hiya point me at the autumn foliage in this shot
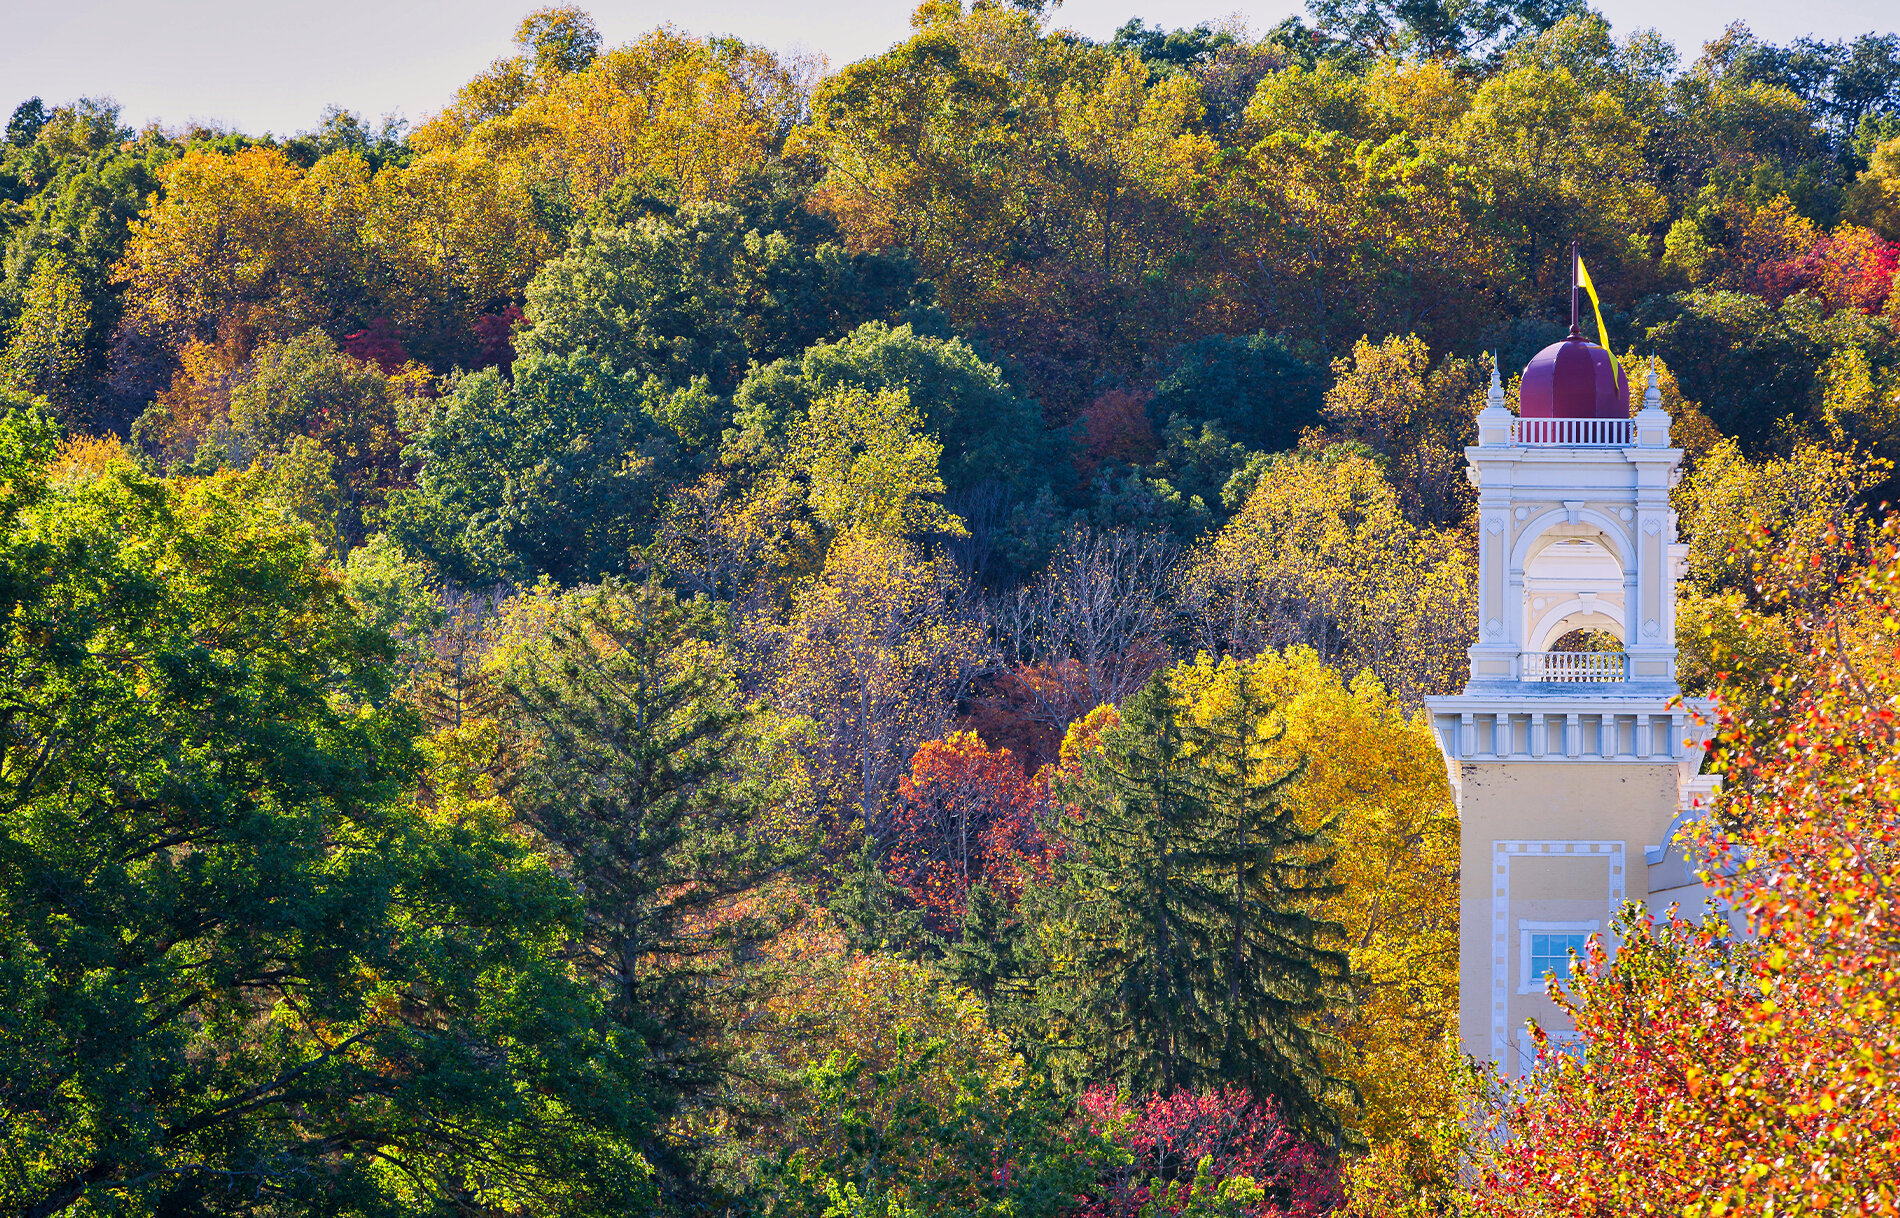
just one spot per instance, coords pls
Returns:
(1747, 1066)
(876, 620)
(966, 815)
(1220, 1135)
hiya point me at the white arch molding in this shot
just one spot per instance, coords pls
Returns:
(1586, 590)
(1617, 534)
(1556, 622)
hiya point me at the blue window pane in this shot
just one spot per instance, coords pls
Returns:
(1550, 953)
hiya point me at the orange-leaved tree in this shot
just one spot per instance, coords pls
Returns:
(1757, 1074)
(965, 816)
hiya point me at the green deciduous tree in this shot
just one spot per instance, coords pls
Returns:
(75, 178)
(558, 473)
(1254, 387)
(306, 390)
(241, 968)
(1737, 355)
(704, 292)
(1435, 29)
(988, 431)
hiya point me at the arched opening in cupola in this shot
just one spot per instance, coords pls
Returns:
(1574, 627)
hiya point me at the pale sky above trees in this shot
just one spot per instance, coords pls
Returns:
(274, 67)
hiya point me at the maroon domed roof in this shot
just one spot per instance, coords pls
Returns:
(1573, 379)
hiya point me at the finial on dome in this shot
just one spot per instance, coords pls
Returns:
(1652, 396)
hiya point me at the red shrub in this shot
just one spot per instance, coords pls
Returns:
(1241, 1136)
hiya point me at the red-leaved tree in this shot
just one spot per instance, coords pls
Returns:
(965, 815)
(1856, 269)
(1116, 429)
(378, 343)
(1168, 1136)
(1779, 253)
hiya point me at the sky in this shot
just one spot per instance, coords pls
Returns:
(265, 65)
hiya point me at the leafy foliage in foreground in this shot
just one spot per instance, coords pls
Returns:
(241, 964)
(1777, 1048)
(976, 387)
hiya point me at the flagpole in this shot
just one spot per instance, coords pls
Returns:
(1576, 320)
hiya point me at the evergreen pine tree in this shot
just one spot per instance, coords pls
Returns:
(1195, 955)
(875, 914)
(630, 722)
(988, 955)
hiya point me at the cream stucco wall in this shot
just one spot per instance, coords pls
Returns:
(1545, 842)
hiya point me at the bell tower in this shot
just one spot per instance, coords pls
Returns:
(1570, 752)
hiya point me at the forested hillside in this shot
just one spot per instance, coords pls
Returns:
(706, 633)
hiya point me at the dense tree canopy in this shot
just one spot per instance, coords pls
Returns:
(243, 962)
(705, 632)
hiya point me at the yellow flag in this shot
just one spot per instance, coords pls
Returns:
(1603, 334)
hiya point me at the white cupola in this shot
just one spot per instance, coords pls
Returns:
(1575, 534)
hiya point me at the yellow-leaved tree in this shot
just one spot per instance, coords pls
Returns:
(237, 244)
(1332, 219)
(1862, 403)
(875, 653)
(47, 349)
(700, 114)
(749, 542)
(1729, 508)
(1874, 199)
(1559, 159)
(451, 232)
(1322, 554)
(249, 248)
(871, 464)
(1390, 398)
(1041, 181)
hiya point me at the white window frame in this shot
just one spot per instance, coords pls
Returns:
(1562, 1042)
(1502, 852)
(1528, 984)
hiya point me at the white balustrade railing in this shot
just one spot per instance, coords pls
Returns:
(1574, 433)
(1574, 665)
